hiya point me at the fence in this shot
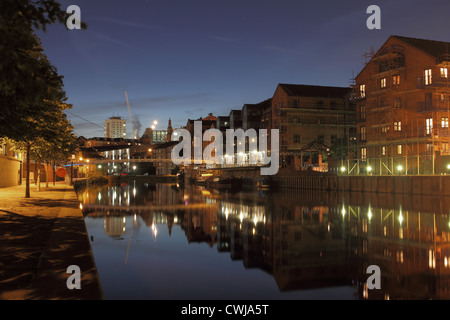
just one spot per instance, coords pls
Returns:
(411, 165)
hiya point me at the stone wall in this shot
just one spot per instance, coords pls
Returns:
(10, 169)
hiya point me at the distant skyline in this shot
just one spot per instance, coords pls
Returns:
(185, 59)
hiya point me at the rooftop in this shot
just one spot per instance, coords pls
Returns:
(301, 90)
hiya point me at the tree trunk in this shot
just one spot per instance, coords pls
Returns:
(54, 173)
(39, 176)
(27, 180)
(46, 174)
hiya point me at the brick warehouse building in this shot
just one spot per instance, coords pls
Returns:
(402, 103)
(311, 116)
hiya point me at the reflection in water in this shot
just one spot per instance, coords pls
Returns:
(301, 240)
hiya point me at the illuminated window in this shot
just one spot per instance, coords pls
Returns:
(428, 77)
(399, 149)
(431, 259)
(444, 73)
(362, 90)
(384, 129)
(383, 83)
(398, 126)
(383, 150)
(363, 133)
(396, 80)
(363, 153)
(429, 125)
(444, 122)
(445, 146)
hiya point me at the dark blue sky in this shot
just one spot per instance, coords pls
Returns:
(186, 58)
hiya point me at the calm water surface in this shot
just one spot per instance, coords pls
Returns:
(163, 241)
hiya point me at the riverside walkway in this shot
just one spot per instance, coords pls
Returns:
(40, 237)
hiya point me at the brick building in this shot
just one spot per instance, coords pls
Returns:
(307, 115)
(402, 103)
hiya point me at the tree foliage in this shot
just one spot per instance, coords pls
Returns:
(32, 98)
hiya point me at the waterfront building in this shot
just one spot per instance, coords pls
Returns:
(402, 103)
(311, 115)
(235, 119)
(252, 115)
(223, 123)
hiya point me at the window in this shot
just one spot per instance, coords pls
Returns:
(362, 90)
(444, 122)
(362, 132)
(429, 125)
(444, 146)
(429, 148)
(333, 140)
(383, 150)
(399, 149)
(296, 138)
(363, 153)
(321, 139)
(397, 103)
(398, 126)
(384, 129)
(396, 80)
(362, 112)
(383, 83)
(428, 77)
(444, 73)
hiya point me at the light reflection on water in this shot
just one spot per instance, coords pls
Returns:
(157, 241)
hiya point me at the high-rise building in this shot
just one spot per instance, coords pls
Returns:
(115, 127)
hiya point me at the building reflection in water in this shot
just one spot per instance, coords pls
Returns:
(304, 240)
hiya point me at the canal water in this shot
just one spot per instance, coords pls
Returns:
(166, 241)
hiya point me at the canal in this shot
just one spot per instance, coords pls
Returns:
(165, 241)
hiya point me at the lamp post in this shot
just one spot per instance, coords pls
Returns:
(71, 170)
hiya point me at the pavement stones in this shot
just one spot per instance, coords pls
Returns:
(40, 237)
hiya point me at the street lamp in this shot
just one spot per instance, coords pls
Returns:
(71, 170)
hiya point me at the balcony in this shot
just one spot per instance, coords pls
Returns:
(434, 105)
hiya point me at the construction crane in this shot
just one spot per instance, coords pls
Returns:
(131, 119)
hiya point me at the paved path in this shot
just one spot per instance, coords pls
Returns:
(40, 237)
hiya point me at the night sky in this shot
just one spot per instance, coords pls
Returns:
(184, 59)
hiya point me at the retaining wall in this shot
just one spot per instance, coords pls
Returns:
(416, 185)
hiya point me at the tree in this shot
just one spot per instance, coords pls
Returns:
(32, 98)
